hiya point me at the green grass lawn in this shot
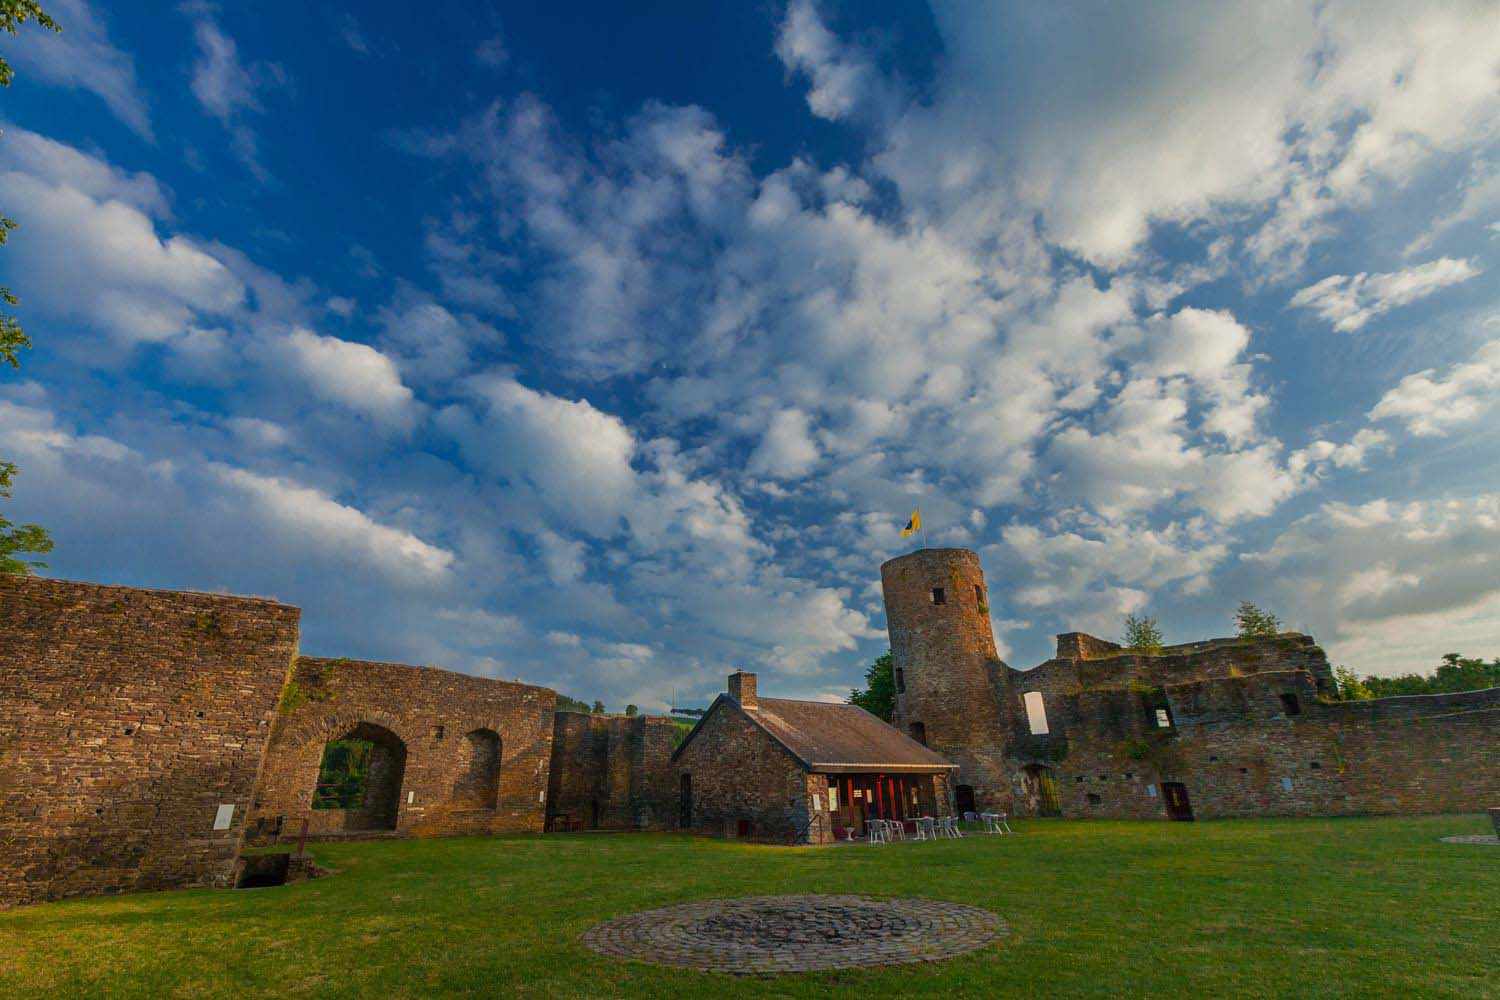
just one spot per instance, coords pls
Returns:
(1235, 908)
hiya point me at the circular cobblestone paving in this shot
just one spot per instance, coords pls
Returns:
(762, 935)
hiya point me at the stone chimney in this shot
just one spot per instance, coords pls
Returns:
(742, 690)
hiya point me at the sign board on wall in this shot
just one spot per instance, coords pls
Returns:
(224, 818)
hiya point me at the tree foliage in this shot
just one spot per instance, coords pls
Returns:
(14, 538)
(1142, 633)
(19, 538)
(343, 775)
(566, 704)
(1350, 687)
(13, 14)
(1455, 673)
(598, 707)
(879, 695)
(1251, 621)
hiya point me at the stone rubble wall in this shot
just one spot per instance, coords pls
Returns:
(128, 718)
(612, 772)
(431, 712)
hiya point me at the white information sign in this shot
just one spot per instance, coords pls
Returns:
(224, 818)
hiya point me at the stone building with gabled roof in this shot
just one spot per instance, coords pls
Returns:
(801, 771)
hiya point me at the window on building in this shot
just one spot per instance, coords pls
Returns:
(437, 732)
(900, 681)
(1036, 712)
(919, 733)
(1163, 717)
(939, 596)
(1315, 766)
(979, 594)
(1290, 704)
(1094, 799)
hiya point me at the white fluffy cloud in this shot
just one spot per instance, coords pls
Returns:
(1431, 404)
(1351, 301)
(86, 249)
(355, 375)
(1390, 576)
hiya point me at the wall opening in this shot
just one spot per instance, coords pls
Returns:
(900, 681)
(360, 774)
(1036, 712)
(685, 801)
(1290, 704)
(939, 596)
(478, 782)
(963, 798)
(1095, 798)
(919, 733)
(1041, 790)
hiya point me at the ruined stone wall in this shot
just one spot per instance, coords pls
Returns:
(612, 772)
(1240, 749)
(128, 719)
(952, 681)
(740, 774)
(437, 735)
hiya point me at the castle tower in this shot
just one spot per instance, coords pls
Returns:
(949, 679)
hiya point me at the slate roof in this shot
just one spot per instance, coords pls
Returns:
(833, 737)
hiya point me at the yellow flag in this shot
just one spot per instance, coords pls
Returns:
(913, 524)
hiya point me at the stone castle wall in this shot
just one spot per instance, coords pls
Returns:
(1252, 733)
(129, 719)
(455, 754)
(611, 772)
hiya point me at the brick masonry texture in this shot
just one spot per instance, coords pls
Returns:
(127, 719)
(1253, 729)
(951, 675)
(611, 772)
(455, 754)
(739, 774)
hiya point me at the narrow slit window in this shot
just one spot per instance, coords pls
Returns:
(1036, 713)
(919, 733)
(900, 681)
(939, 596)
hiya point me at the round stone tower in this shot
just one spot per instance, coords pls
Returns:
(949, 679)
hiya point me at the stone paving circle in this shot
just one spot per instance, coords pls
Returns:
(767, 935)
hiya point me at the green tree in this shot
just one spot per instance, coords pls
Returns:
(566, 704)
(598, 707)
(632, 710)
(14, 538)
(1349, 686)
(879, 696)
(13, 14)
(1252, 621)
(1455, 673)
(26, 538)
(1142, 633)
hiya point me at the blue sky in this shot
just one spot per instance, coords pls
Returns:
(610, 349)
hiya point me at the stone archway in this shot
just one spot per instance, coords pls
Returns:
(478, 782)
(359, 779)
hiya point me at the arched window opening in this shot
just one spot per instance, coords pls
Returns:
(919, 733)
(963, 796)
(478, 782)
(360, 774)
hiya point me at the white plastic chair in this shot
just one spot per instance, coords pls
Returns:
(878, 834)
